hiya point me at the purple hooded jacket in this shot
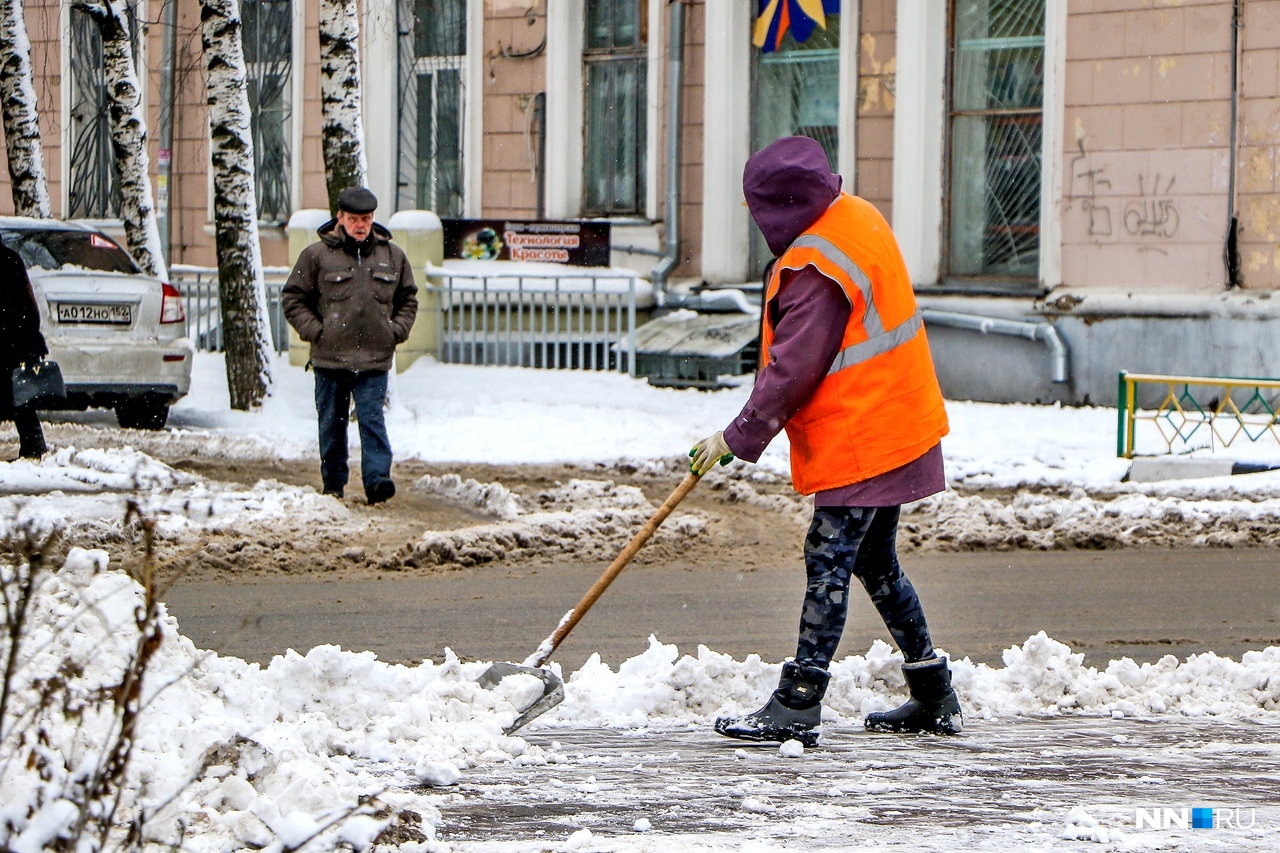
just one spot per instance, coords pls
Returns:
(788, 186)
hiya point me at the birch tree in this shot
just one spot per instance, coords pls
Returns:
(27, 177)
(128, 133)
(241, 291)
(342, 133)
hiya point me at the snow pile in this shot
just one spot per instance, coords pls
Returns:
(589, 519)
(490, 498)
(85, 494)
(93, 470)
(208, 507)
(241, 755)
(1045, 521)
(735, 489)
(1079, 825)
(1041, 677)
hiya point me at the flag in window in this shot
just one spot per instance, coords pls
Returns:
(799, 16)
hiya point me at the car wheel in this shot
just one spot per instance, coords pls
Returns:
(142, 413)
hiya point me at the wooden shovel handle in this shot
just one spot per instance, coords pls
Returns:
(615, 568)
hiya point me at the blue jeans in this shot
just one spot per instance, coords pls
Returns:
(847, 542)
(335, 389)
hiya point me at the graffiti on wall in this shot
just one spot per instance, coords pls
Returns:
(1085, 184)
(1111, 214)
(1154, 214)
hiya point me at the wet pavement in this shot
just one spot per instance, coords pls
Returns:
(1006, 784)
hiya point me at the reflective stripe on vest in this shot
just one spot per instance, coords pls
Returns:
(880, 344)
(880, 406)
(879, 340)
(871, 320)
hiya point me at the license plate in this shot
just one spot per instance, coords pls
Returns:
(90, 312)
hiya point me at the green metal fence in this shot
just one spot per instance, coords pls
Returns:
(1198, 411)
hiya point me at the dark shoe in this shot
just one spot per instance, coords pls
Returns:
(383, 490)
(933, 706)
(334, 493)
(33, 449)
(793, 712)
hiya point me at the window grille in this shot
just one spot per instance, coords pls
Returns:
(93, 186)
(616, 58)
(796, 92)
(267, 36)
(996, 118)
(433, 48)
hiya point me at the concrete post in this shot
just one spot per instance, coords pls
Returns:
(421, 236)
(302, 233)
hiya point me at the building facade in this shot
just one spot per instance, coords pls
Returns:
(1107, 169)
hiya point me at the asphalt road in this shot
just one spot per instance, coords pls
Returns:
(1141, 604)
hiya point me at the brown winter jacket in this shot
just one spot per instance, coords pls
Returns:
(353, 304)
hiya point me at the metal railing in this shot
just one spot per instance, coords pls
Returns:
(573, 319)
(1216, 414)
(199, 288)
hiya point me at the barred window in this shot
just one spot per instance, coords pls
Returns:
(796, 92)
(93, 190)
(267, 36)
(433, 48)
(615, 56)
(995, 140)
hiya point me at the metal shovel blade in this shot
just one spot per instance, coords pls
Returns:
(552, 690)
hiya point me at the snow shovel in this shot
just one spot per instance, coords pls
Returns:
(553, 686)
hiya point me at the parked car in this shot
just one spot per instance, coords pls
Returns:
(119, 335)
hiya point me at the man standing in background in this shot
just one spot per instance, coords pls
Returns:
(352, 297)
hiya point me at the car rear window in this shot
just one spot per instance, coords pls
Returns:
(54, 249)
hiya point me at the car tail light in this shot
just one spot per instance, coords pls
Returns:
(171, 310)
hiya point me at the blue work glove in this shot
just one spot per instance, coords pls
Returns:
(708, 452)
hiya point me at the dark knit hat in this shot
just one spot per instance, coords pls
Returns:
(357, 200)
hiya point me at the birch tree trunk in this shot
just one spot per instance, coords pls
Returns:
(21, 116)
(128, 134)
(342, 132)
(241, 291)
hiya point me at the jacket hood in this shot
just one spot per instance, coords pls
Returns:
(788, 185)
(334, 236)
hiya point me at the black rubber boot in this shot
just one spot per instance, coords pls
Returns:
(793, 712)
(933, 706)
(382, 490)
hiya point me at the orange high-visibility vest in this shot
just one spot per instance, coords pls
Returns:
(879, 407)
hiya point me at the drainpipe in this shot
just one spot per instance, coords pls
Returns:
(168, 65)
(675, 103)
(1041, 331)
(540, 116)
(1231, 252)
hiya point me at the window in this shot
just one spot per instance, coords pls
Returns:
(995, 139)
(796, 92)
(433, 48)
(93, 185)
(615, 56)
(268, 56)
(54, 249)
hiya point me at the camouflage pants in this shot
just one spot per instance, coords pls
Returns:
(858, 541)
